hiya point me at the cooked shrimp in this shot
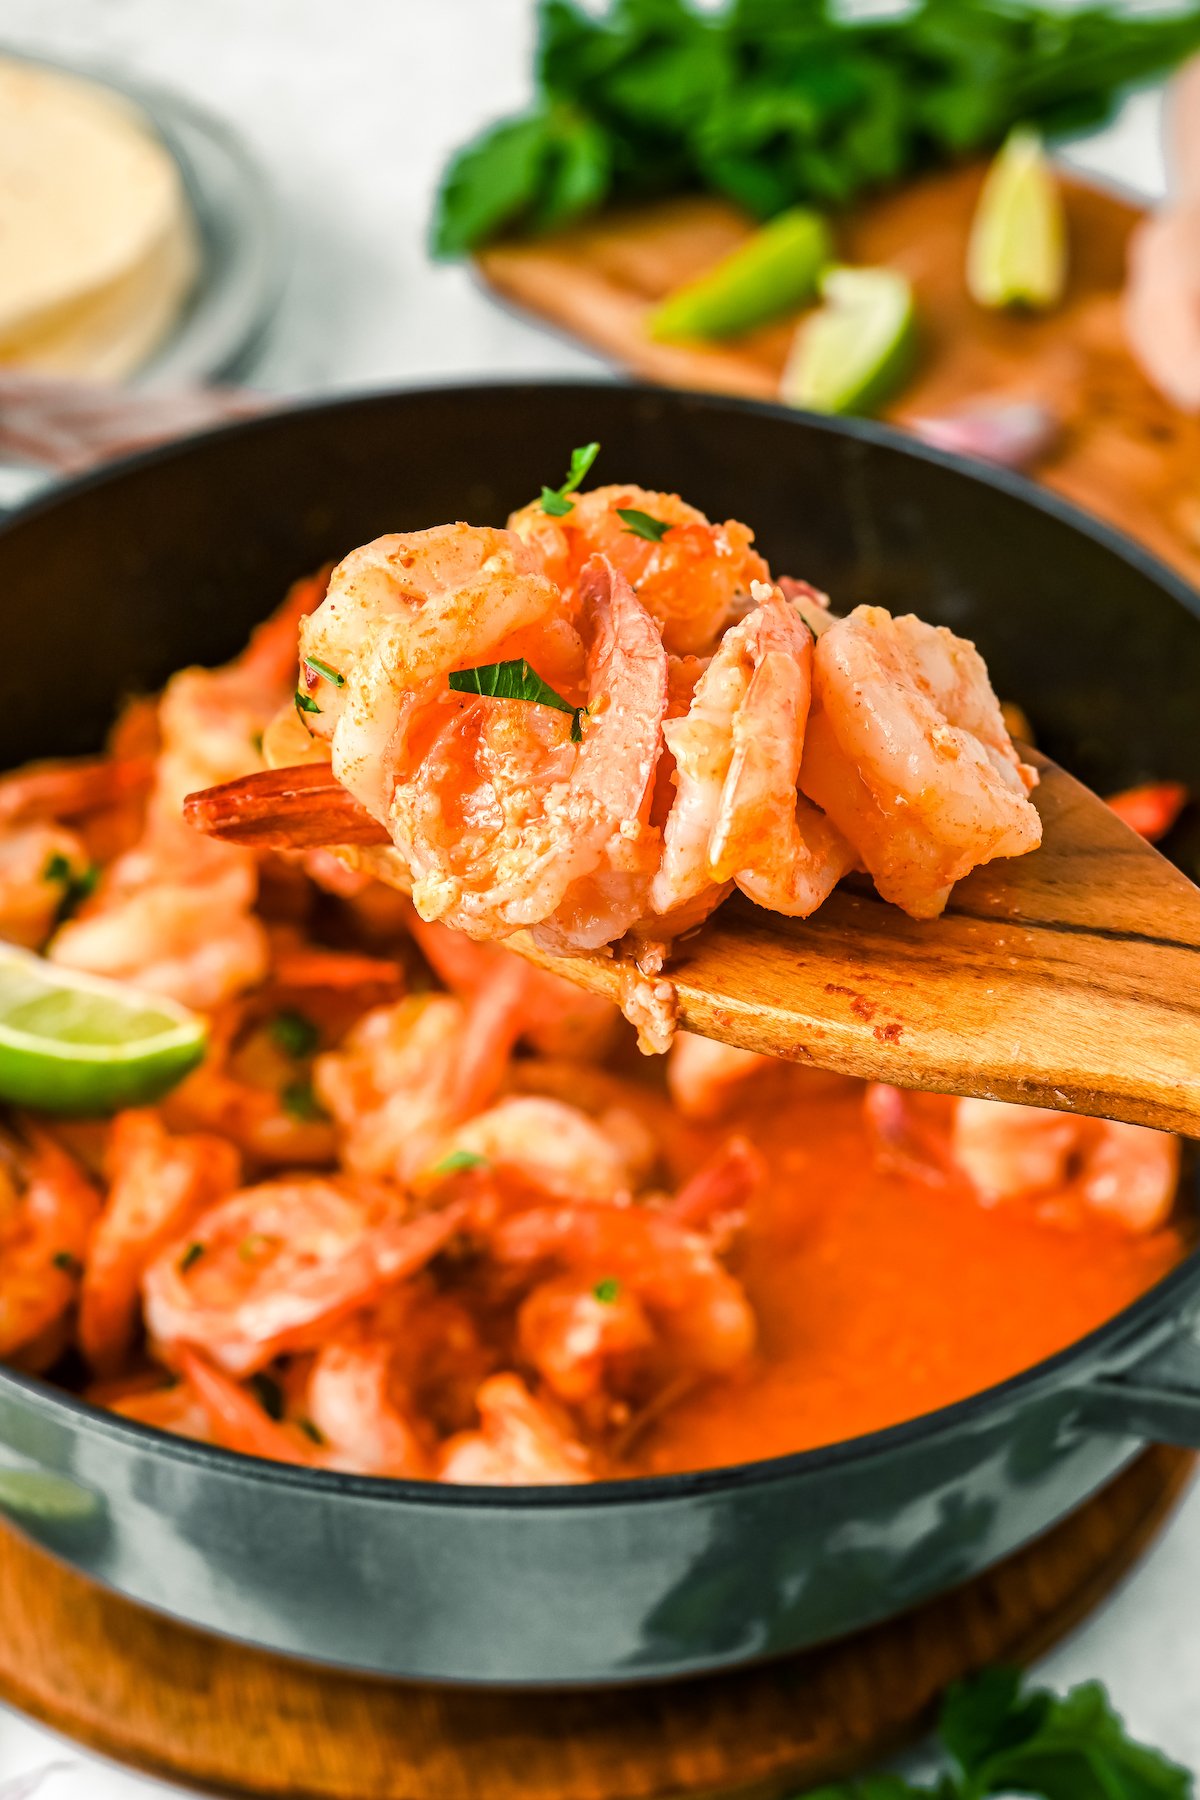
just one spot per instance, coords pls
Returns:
(576, 1332)
(167, 1404)
(274, 1267)
(354, 1404)
(703, 1074)
(698, 1308)
(714, 1198)
(907, 752)
(1150, 810)
(1125, 1173)
(174, 913)
(47, 1211)
(406, 1074)
(251, 1090)
(38, 866)
(173, 918)
(72, 789)
(237, 1420)
(557, 1018)
(158, 1184)
(212, 720)
(543, 1143)
(520, 1441)
(694, 582)
(736, 815)
(504, 821)
(400, 613)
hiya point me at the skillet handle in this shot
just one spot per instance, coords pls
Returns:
(1157, 1398)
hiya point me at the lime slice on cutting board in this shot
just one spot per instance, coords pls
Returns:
(1017, 251)
(775, 269)
(852, 355)
(71, 1042)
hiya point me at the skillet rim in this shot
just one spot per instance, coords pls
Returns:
(1161, 1303)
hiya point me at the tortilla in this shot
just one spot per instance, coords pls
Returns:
(97, 242)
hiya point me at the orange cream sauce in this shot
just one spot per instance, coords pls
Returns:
(881, 1297)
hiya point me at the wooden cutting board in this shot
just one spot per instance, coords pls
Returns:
(1125, 454)
(165, 1698)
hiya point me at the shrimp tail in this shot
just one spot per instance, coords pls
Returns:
(302, 808)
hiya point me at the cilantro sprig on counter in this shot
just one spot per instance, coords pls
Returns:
(775, 103)
(1002, 1738)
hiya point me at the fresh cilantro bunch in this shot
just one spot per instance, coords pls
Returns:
(1000, 1738)
(782, 102)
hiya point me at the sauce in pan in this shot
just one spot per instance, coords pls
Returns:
(881, 1296)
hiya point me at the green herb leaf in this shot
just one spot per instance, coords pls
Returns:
(305, 702)
(776, 103)
(554, 500)
(293, 1033)
(643, 524)
(1001, 1738)
(515, 681)
(300, 1102)
(311, 1431)
(269, 1394)
(77, 885)
(1003, 1741)
(320, 668)
(69, 1264)
(191, 1256)
(457, 1161)
(607, 1290)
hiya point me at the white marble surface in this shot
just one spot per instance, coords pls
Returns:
(352, 105)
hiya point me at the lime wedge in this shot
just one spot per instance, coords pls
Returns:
(771, 272)
(1017, 252)
(853, 354)
(71, 1042)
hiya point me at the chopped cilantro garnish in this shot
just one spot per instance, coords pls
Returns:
(311, 1431)
(607, 1290)
(268, 1393)
(643, 524)
(191, 1255)
(294, 1034)
(515, 680)
(77, 885)
(319, 668)
(457, 1161)
(256, 742)
(305, 702)
(554, 500)
(299, 1102)
(69, 1264)
(253, 1246)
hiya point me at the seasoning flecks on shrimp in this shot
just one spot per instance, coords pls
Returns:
(594, 724)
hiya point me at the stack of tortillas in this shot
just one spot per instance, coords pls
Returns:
(98, 247)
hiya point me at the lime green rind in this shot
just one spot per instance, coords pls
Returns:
(77, 1043)
(857, 352)
(1017, 249)
(772, 272)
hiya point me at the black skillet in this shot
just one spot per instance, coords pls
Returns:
(118, 579)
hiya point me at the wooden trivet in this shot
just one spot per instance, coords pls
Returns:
(196, 1709)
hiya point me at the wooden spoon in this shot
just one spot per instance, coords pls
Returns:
(1068, 978)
